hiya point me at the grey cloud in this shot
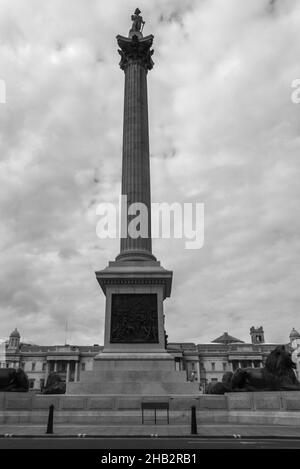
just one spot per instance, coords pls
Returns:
(219, 99)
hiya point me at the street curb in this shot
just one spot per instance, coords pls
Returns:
(86, 436)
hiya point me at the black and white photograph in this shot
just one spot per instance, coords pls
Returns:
(150, 229)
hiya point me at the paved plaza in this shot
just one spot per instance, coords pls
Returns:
(204, 431)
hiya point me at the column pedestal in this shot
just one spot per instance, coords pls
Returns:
(134, 359)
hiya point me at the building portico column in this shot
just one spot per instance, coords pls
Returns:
(47, 370)
(68, 373)
(76, 372)
(198, 371)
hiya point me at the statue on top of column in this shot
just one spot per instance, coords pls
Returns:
(137, 24)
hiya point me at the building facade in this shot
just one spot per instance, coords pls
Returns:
(38, 361)
(204, 363)
(295, 347)
(208, 362)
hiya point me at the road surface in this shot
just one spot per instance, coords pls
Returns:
(148, 443)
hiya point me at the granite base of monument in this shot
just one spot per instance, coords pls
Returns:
(134, 359)
(128, 374)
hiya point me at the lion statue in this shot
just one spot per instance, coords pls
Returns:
(220, 387)
(13, 380)
(277, 375)
(54, 384)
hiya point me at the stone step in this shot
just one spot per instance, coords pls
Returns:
(132, 387)
(136, 376)
(133, 362)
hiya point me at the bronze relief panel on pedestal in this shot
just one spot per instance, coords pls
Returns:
(134, 318)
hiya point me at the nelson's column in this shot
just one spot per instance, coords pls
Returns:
(134, 359)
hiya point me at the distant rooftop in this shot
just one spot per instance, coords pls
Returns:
(227, 339)
(15, 333)
(60, 348)
(181, 345)
(294, 334)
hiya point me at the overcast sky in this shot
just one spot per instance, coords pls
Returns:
(223, 131)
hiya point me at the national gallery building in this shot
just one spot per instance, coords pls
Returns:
(203, 363)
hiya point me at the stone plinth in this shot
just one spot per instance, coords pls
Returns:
(130, 328)
(130, 374)
(134, 359)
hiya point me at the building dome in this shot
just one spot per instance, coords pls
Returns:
(294, 334)
(15, 333)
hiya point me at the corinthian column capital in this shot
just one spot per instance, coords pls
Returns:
(136, 50)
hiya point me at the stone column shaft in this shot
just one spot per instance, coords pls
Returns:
(135, 165)
(198, 371)
(136, 61)
(76, 372)
(47, 371)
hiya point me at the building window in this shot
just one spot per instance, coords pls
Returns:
(235, 365)
(213, 366)
(42, 384)
(224, 366)
(31, 383)
(44, 367)
(23, 365)
(61, 367)
(33, 366)
(82, 366)
(214, 380)
(193, 366)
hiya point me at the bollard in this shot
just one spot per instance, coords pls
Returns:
(50, 420)
(193, 421)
